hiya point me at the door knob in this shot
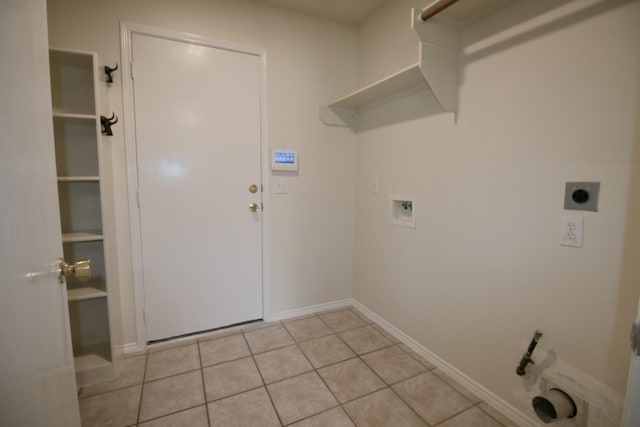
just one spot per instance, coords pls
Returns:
(253, 207)
(80, 269)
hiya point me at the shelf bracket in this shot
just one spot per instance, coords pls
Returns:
(336, 116)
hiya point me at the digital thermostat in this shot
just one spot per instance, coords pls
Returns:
(284, 160)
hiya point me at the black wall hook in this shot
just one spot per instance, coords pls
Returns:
(108, 70)
(107, 123)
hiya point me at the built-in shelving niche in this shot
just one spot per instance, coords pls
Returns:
(77, 136)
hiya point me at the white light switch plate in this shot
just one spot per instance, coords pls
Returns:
(281, 186)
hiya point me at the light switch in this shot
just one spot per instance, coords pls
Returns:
(281, 186)
(375, 185)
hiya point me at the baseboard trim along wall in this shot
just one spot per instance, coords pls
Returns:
(288, 314)
(491, 399)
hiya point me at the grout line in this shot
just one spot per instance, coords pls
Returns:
(204, 389)
(172, 375)
(144, 375)
(409, 406)
(176, 412)
(253, 357)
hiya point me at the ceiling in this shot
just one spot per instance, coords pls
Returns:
(356, 11)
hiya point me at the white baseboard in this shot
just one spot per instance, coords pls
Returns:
(132, 349)
(490, 398)
(287, 314)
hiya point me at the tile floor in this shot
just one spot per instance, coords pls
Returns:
(332, 368)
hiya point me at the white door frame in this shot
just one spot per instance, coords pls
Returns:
(127, 29)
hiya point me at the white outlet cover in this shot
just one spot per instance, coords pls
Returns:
(571, 231)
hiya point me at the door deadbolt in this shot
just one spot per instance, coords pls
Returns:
(80, 269)
(253, 188)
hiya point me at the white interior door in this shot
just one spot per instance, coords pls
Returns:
(37, 379)
(632, 401)
(197, 112)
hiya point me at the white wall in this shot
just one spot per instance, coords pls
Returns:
(550, 100)
(309, 60)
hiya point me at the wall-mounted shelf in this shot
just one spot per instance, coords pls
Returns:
(436, 70)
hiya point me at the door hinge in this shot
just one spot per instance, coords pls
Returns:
(131, 68)
(138, 198)
(144, 317)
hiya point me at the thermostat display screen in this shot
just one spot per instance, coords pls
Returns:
(284, 160)
(284, 157)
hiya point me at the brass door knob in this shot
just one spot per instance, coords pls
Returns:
(253, 188)
(80, 269)
(253, 207)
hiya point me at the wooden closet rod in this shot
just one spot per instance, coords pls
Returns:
(436, 8)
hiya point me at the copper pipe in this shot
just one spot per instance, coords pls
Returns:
(436, 8)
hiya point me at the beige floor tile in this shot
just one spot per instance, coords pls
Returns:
(431, 398)
(172, 343)
(382, 408)
(259, 325)
(385, 334)
(393, 364)
(335, 417)
(131, 373)
(230, 378)
(416, 356)
(365, 339)
(326, 350)
(276, 365)
(117, 408)
(194, 417)
(269, 338)
(361, 314)
(300, 397)
(219, 333)
(342, 320)
(457, 386)
(295, 319)
(173, 361)
(252, 408)
(350, 379)
(501, 418)
(172, 394)
(307, 329)
(473, 417)
(223, 349)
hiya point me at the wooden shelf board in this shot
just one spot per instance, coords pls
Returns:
(403, 80)
(81, 236)
(81, 294)
(78, 178)
(92, 357)
(62, 115)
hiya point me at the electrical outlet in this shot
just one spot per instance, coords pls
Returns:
(572, 228)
